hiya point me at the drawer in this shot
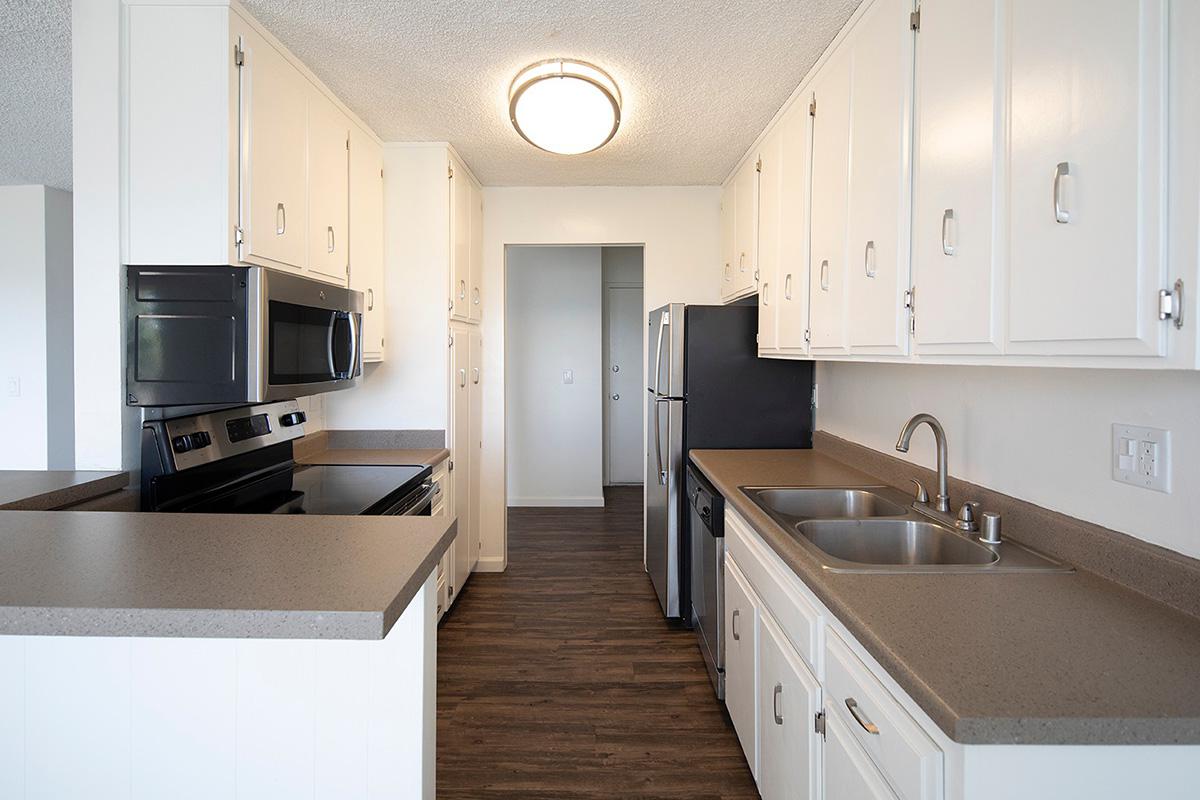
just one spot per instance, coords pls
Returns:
(780, 591)
(901, 750)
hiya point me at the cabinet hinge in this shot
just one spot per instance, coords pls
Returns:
(347, 142)
(451, 340)
(1170, 304)
(450, 467)
(239, 236)
(449, 170)
(812, 107)
(819, 723)
(807, 336)
(914, 20)
(910, 303)
(758, 165)
(239, 56)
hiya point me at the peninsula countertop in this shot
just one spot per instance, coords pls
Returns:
(39, 490)
(997, 658)
(80, 573)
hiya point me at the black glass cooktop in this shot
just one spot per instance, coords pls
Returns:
(319, 489)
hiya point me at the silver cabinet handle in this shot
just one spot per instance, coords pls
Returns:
(280, 219)
(1061, 214)
(476, 295)
(765, 293)
(869, 259)
(787, 287)
(370, 299)
(742, 263)
(462, 378)
(616, 396)
(825, 275)
(861, 718)
(728, 271)
(947, 239)
(462, 290)
(475, 375)
(331, 240)
(737, 637)
(775, 704)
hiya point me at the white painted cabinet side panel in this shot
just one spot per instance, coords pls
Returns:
(275, 713)
(341, 680)
(12, 716)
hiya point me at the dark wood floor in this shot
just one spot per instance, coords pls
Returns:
(559, 678)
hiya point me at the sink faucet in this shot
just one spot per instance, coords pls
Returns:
(939, 435)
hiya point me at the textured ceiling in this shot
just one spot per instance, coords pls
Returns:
(35, 92)
(700, 79)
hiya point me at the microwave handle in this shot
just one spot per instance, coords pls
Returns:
(355, 320)
(352, 369)
(333, 317)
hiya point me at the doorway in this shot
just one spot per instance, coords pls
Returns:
(623, 310)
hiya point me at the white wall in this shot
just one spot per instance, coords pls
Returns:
(1043, 435)
(555, 453)
(36, 399)
(680, 228)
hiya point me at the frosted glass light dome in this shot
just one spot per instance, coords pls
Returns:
(564, 106)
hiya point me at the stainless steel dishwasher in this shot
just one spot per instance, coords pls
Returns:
(706, 520)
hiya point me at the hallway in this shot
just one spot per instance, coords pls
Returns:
(559, 678)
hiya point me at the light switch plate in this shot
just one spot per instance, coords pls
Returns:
(568, 376)
(1141, 457)
(14, 387)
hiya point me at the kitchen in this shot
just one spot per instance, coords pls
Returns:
(918, 335)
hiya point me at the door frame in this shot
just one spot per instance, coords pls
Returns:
(607, 386)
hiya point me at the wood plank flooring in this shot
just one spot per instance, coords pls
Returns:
(559, 679)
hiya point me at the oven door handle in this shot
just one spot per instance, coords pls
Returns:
(424, 501)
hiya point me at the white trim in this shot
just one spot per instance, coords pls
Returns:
(491, 564)
(556, 502)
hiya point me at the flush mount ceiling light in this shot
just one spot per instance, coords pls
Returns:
(565, 106)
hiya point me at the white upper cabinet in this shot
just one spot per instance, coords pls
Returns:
(329, 188)
(728, 220)
(1087, 176)
(955, 257)
(366, 237)
(275, 170)
(770, 222)
(460, 241)
(878, 221)
(475, 311)
(830, 172)
(745, 267)
(795, 155)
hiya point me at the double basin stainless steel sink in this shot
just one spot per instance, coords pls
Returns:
(875, 529)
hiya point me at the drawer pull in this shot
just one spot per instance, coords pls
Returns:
(733, 625)
(775, 704)
(860, 717)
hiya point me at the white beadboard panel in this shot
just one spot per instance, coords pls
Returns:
(183, 743)
(343, 708)
(275, 719)
(77, 701)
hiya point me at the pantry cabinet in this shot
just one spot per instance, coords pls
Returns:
(366, 239)
(464, 438)
(466, 244)
(1087, 176)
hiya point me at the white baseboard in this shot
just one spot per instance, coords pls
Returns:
(557, 502)
(491, 564)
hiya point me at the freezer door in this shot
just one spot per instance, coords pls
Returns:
(664, 356)
(664, 488)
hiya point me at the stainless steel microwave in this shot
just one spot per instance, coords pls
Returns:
(199, 335)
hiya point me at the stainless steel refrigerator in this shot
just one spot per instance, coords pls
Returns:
(706, 388)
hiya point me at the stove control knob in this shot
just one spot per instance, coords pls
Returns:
(293, 418)
(182, 443)
(201, 439)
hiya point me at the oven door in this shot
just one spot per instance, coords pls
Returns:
(306, 336)
(417, 504)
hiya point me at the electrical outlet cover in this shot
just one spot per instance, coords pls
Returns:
(1141, 457)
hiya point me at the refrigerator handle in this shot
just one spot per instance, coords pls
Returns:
(662, 473)
(662, 329)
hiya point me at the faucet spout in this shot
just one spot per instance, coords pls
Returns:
(939, 435)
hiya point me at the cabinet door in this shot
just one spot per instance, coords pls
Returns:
(770, 208)
(795, 155)
(274, 152)
(830, 167)
(745, 233)
(848, 771)
(741, 657)
(366, 237)
(955, 260)
(475, 281)
(328, 189)
(728, 221)
(475, 444)
(1087, 176)
(789, 698)
(460, 449)
(460, 241)
(878, 221)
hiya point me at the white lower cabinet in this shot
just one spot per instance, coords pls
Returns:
(849, 773)
(789, 699)
(741, 668)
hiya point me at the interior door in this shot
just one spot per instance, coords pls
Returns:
(329, 189)
(741, 661)
(830, 171)
(878, 222)
(474, 444)
(789, 698)
(792, 277)
(955, 262)
(274, 168)
(1087, 176)
(623, 307)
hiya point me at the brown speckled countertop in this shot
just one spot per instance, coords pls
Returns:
(39, 490)
(431, 456)
(80, 573)
(996, 658)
